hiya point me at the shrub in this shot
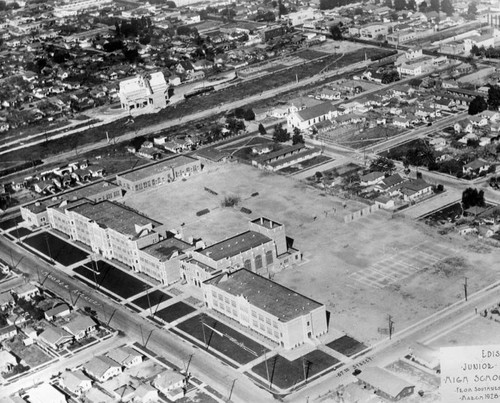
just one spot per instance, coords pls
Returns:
(231, 201)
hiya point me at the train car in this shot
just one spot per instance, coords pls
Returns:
(199, 91)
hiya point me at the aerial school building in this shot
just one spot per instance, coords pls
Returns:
(263, 249)
(276, 312)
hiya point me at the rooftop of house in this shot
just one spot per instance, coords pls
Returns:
(73, 379)
(281, 302)
(57, 310)
(413, 186)
(383, 380)
(53, 335)
(123, 354)
(114, 216)
(372, 176)
(164, 165)
(476, 164)
(164, 250)
(235, 245)
(168, 378)
(98, 365)
(79, 323)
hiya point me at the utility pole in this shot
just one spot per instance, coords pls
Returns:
(304, 367)
(149, 301)
(203, 330)
(465, 288)
(391, 327)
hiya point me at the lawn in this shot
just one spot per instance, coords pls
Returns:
(156, 297)
(10, 223)
(32, 355)
(310, 54)
(54, 247)
(285, 374)
(20, 232)
(243, 352)
(347, 345)
(113, 279)
(173, 312)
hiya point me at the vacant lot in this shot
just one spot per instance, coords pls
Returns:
(285, 374)
(112, 279)
(32, 355)
(55, 248)
(332, 250)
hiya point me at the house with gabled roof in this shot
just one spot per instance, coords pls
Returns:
(80, 326)
(170, 383)
(125, 356)
(477, 166)
(102, 368)
(371, 178)
(55, 337)
(463, 126)
(415, 189)
(385, 383)
(7, 361)
(75, 381)
(58, 311)
(389, 183)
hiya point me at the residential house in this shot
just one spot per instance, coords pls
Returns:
(80, 326)
(371, 178)
(7, 361)
(170, 383)
(413, 53)
(7, 332)
(75, 381)
(102, 368)
(145, 394)
(402, 122)
(478, 121)
(388, 184)
(45, 393)
(6, 301)
(476, 167)
(26, 291)
(125, 356)
(384, 202)
(463, 126)
(55, 337)
(445, 104)
(415, 189)
(438, 143)
(58, 311)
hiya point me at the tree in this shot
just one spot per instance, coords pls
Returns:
(422, 7)
(382, 164)
(447, 7)
(411, 5)
(336, 32)
(400, 5)
(494, 97)
(262, 129)
(477, 105)
(249, 114)
(472, 11)
(297, 137)
(390, 76)
(280, 134)
(434, 6)
(170, 4)
(472, 197)
(239, 113)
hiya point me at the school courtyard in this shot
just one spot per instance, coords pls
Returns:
(362, 271)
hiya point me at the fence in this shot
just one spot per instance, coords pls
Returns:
(361, 213)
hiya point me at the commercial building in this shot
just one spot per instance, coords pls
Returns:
(262, 249)
(159, 174)
(276, 312)
(385, 383)
(144, 90)
(67, 7)
(110, 229)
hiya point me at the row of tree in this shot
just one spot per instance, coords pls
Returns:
(479, 104)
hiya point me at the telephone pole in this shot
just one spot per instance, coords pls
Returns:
(465, 287)
(391, 327)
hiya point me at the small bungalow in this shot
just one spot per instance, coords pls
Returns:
(75, 381)
(58, 311)
(385, 383)
(371, 178)
(125, 356)
(55, 337)
(80, 326)
(102, 368)
(476, 167)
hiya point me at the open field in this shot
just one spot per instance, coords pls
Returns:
(55, 248)
(479, 331)
(332, 250)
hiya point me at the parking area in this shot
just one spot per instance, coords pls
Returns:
(55, 248)
(112, 279)
(400, 265)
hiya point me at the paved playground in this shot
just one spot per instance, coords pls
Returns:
(400, 265)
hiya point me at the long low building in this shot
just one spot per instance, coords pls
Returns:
(276, 312)
(161, 173)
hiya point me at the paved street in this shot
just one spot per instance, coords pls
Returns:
(203, 365)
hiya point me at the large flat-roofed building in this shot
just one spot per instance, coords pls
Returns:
(112, 230)
(161, 260)
(276, 312)
(144, 90)
(262, 249)
(159, 174)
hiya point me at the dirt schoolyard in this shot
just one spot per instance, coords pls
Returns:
(362, 271)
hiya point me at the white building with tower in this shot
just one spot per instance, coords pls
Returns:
(144, 90)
